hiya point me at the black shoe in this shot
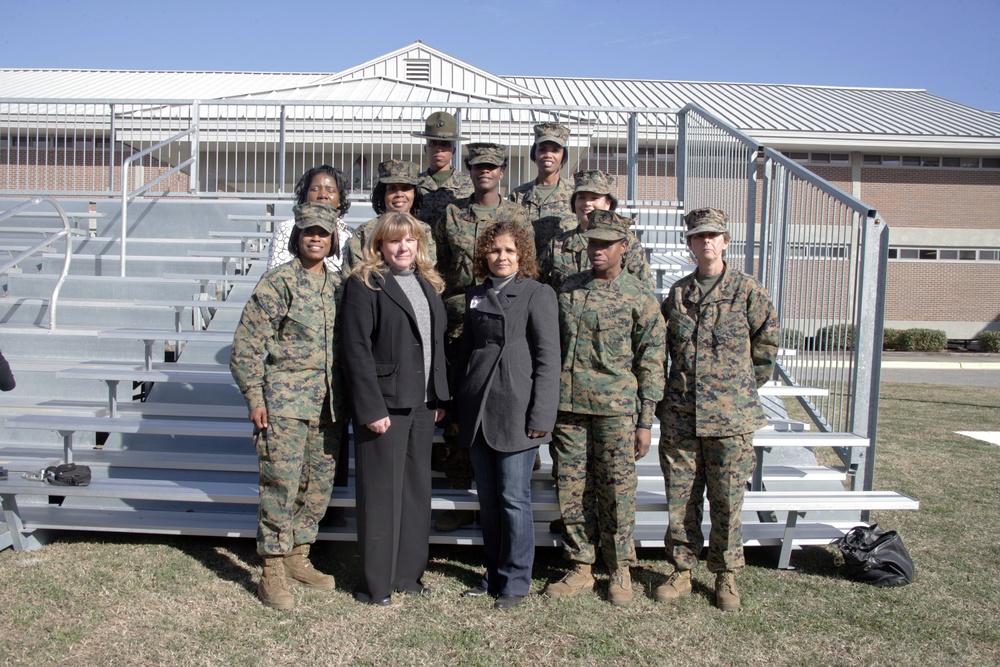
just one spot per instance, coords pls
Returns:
(474, 592)
(508, 601)
(364, 598)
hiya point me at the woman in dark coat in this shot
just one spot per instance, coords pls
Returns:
(392, 340)
(509, 364)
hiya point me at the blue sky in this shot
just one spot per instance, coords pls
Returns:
(949, 47)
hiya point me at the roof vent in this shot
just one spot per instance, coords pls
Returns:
(418, 69)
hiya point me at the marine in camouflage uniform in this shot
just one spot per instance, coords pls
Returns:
(566, 253)
(722, 339)
(440, 187)
(284, 360)
(612, 377)
(547, 204)
(389, 172)
(456, 240)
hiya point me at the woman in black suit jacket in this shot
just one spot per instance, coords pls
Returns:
(509, 363)
(392, 340)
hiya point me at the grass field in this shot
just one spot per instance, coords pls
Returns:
(92, 599)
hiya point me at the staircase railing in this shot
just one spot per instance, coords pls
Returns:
(66, 232)
(821, 253)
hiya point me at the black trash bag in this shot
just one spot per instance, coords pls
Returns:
(875, 556)
(68, 474)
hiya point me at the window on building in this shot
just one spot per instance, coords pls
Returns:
(871, 160)
(951, 162)
(945, 254)
(911, 160)
(991, 163)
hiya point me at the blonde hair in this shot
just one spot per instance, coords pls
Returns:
(390, 226)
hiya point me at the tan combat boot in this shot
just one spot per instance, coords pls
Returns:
(676, 585)
(577, 581)
(299, 568)
(272, 589)
(727, 598)
(620, 589)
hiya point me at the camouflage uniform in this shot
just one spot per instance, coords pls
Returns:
(441, 126)
(612, 374)
(456, 246)
(437, 198)
(566, 254)
(552, 215)
(283, 359)
(722, 347)
(389, 172)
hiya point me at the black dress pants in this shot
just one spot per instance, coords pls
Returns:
(393, 479)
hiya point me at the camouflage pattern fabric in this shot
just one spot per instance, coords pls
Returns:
(596, 483)
(284, 360)
(284, 349)
(355, 245)
(722, 349)
(298, 461)
(690, 465)
(612, 347)
(566, 254)
(435, 198)
(456, 247)
(549, 217)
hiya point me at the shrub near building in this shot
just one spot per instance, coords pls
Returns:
(989, 341)
(922, 340)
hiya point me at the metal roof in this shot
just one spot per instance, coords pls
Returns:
(756, 108)
(780, 115)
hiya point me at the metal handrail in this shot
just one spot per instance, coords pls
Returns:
(66, 232)
(129, 196)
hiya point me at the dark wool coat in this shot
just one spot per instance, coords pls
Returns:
(508, 362)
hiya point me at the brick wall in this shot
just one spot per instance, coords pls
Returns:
(948, 198)
(943, 291)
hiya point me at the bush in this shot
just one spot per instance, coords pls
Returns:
(835, 337)
(890, 339)
(923, 340)
(792, 339)
(989, 341)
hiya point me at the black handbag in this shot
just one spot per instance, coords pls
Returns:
(875, 556)
(68, 474)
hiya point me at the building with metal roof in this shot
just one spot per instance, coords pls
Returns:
(931, 166)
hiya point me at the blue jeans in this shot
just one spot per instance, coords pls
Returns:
(503, 481)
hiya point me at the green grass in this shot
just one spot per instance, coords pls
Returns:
(103, 599)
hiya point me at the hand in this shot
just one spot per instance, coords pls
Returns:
(259, 418)
(532, 433)
(642, 439)
(379, 426)
(439, 414)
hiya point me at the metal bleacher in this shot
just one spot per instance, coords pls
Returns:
(170, 451)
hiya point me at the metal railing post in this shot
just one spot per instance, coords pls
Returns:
(632, 159)
(195, 146)
(680, 159)
(111, 152)
(281, 148)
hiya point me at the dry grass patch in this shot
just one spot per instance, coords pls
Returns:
(89, 599)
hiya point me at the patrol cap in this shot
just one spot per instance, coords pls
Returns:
(557, 133)
(398, 171)
(704, 221)
(483, 153)
(607, 226)
(592, 180)
(442, 126)
(314, 214)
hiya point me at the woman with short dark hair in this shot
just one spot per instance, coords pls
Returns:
(325, 185)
